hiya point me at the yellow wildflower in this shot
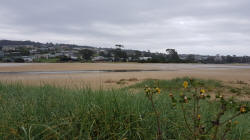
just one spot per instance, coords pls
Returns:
(199, 117)
(158, 90)
(147, 89)
(185, 84)
(243, 109)
(236, 122)
(202, 91)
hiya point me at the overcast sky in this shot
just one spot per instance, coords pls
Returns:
(189, 26)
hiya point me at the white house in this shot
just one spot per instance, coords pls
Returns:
(27, 58)
(218, 58)
(38, 56)
(99, 58)
(145, 58)
(8, 48)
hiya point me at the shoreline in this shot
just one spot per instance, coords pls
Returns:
(226, 73)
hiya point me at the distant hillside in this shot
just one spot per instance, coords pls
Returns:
(75, 46)
(10, 42)
(38, 44)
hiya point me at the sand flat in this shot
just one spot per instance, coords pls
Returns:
(225, 73)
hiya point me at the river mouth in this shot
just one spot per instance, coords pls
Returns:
(81, 71)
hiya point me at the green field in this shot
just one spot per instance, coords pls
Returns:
(53, 113)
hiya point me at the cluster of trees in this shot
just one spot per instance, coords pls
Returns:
(119, 54)
(218, 59)
(172, 56)
(228, 59)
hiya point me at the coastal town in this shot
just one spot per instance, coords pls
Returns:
(28, 51)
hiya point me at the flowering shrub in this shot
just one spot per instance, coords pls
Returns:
(150, 92)
(193, 95)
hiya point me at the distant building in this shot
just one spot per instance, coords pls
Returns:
(58, 54)
(1, 54)
(26, 46)
(99, 58)
(27, 58)
(33, 51)
(200, 57)
(195, 57)
(145, 58)
(51, 48)
(130, 52)
(183, 56)
(16, 47)
(39, 56)
(74, 58)
(43, 49)
(105, 52)
(8, 48)
(218, 58)
(68, 53)
(77, 49)
(16, 53)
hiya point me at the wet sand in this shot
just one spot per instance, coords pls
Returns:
(110, 78)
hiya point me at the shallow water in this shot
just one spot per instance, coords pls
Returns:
(14, 64)
(74, 71)
(208, 66)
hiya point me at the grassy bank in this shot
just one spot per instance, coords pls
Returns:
(46, 112)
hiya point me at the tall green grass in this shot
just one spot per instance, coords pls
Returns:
(47, 112)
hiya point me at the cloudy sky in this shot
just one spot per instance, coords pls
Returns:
(189, 26)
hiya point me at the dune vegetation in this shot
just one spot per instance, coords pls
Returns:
(181, 108)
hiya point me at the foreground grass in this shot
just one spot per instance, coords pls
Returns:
(47, 112)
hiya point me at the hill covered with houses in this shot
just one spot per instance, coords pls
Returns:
(30, 51)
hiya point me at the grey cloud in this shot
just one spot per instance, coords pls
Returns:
(190, 26)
